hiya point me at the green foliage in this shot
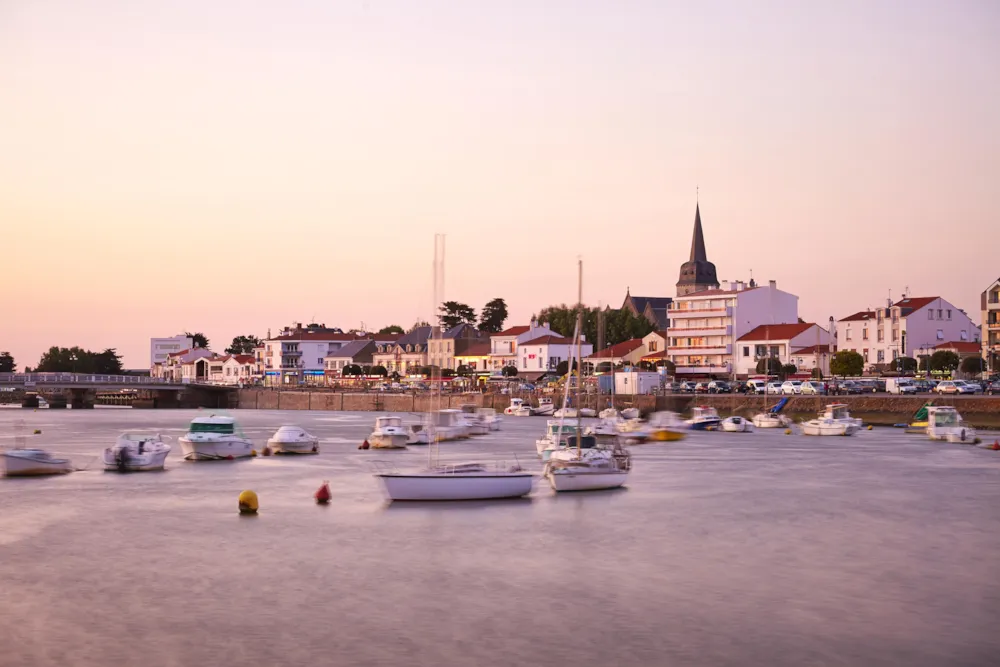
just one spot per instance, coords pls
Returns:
(418, 324)
(464, 370)
(197, 339)
(380, 371)
(619, 325)
(944, 360)
(447, 373)
(603, 367)
(563, 367)
(769, 366)
(395, 376)
(243, 345)
(973, 365)
(7, 364)
(493, 315)
(905, 364)
(509, 371)
(391, 329)
(78, 360)
(453, 313)
(788, 369)
(351, 370)
(847, 362)
(816, 374)
(923, 363)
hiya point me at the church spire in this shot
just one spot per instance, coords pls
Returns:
(698, 253)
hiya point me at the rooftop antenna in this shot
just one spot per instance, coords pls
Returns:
(696, 195)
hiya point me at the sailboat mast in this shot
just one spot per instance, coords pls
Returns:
(579, 357)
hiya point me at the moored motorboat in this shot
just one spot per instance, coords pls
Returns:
(417, 434)
(736, 424)
(555, 430)
(588, 412)
(517, 404)
(290, 439)
(449, 425)
(31, 462)
(703, 418)
(489, 417)
(214, 438)
(944, 423)
(609, 413)
(630, 413)
(835, 420)
(772, 418)
(470, 418)
(388, 433)
(566, 413)
(605, 430)
(663, 426)
(136, 452)
(545, 407)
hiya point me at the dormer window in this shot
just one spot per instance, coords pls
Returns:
(409, 348)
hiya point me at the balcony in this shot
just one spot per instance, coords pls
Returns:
(701, 332)
(701, 312)
(698, 351)
(291, 353)
(705, 369)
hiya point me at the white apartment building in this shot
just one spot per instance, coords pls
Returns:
(911, 327)
(296, 356)
(179, 366)
(160, 348)
(991, 326)
(543, 354)
(504, 345)
(705, 325)
(804, 344)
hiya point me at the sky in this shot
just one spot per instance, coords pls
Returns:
(234, 166)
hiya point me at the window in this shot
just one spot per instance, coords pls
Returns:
(930, 314)
(848, 336)
(865, 355)
(652, 346)
(774, 351)
(881, 335)
(949, 314)
(963, 335)
(539, 361)
(880, 356)
(895, 354)
(939, 313)
(895, 334)
(746, 350)
(320, 361)
(864, 334)
(940, 334)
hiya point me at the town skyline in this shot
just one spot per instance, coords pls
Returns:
(213, 169)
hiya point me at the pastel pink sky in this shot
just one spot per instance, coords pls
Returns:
(230, 166)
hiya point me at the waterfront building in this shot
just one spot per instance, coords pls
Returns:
(160, 348)
(626, 353)
(475, 355)
(544, 354)
(406, 355)
(804, 344)
(504, 345)
(704, 325)
(653, 308)
(357, 352)
(990, 331)
(179, 366)
(296, 355)
(910, 327)
(442, 351)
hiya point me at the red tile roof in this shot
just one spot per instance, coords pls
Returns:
(860, 315)
(915, 303)
(476, 349)
(551, 340)
(513, 331)
(305, 335)
(776, 331)
(961, 346)
(619, 350)
(812, 349)
(652, 356)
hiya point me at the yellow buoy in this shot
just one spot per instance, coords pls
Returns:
(37, 431)
(788, 431)
(248, 502)
(869, 427)
(253, 452)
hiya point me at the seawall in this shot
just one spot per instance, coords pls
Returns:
(878, 409)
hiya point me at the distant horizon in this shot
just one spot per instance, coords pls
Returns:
(226, 168)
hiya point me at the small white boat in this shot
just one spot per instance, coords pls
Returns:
(771, 420)
(388, 433)
(630, 413)
(609, 413)
(467, 481)
(565, 413)
(515, 405)
(590, 469)
(568, 441)
(135, 452)
(34, 462)
(736, 424)
(553, 434)
(545, 407)
(417, 435)
(703, 418)
(290, 439)
(473, 423)
(214, 438)
(944, 423)
(663, 426)
(449, 425)
(835, 420)
(605, 430)
(489, 417)
(588, 412)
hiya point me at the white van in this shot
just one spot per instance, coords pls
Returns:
(756, 386)
(900, 386)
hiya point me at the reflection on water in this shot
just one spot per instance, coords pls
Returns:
(724, 549)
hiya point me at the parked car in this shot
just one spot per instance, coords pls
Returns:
(791, 387)
(947, 387)
(813, 388)
(687, 387)
(774, 387)
(900, 386)
(868, 386)
(921, 386)
(756, 387)
(849, 387)
(993, 387)
(967, 387)
(719, 387)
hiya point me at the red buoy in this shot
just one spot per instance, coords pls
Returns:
(266, 451)
(364, 445)
(229, 458)
(322, 494)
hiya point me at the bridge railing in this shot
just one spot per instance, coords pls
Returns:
(29, 379)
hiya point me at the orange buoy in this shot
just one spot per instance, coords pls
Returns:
(322, 494)
(266, 451)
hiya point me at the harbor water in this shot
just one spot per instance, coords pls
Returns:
(724, 549)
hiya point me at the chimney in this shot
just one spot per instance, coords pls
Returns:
(739, 286)
(725, 285)
(533, 323)
(773, 284)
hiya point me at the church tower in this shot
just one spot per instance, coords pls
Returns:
(697, 274)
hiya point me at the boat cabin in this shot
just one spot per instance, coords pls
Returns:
(943, 416)
(566, 428)
(837, 411)
(447, 417)
(213, 424)
(704, 412)
(390, 421)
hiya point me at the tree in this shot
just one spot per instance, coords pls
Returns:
(380, 371)
(453, 313)
(108, 362)
(351, 370)
(944, 360)
(619, 325)
(243, 345)
(905, 364)
(447, 373)
(769, 366)
(78, 360)
(418, 324)
(924, 363)
(391, 329)
(973, 365)
(816, 374)
(847, 362)
(493, 315)
(509, 371)
(7, 364)
(197, 339)
(788, 369)
(464, 370)
(563, 367)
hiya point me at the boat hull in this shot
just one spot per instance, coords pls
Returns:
(24, 466)
(705, 425)
(388, 440)
(770, 421)
(835, 429)
(544, 410)
(661, 435)
(215, 449)
(134, 462)
(297, 447)
(586, 481)
(447, 486)
(732, 426)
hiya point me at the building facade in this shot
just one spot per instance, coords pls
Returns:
(161, 348)
(296, 356)
(706, 324)
(990, 328)
(543, 354)
(405, 356)
(444, 350)
(358, 352)
(911, 327)
(654, 308)
(504, 345)
(626, 353)
(803, 344)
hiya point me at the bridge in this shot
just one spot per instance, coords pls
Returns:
(81, 390)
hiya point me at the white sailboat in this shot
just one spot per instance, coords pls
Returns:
(24, 461)
(135, 452)
(575, 468)
(466, 481)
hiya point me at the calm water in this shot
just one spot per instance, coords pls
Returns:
(725, 549)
